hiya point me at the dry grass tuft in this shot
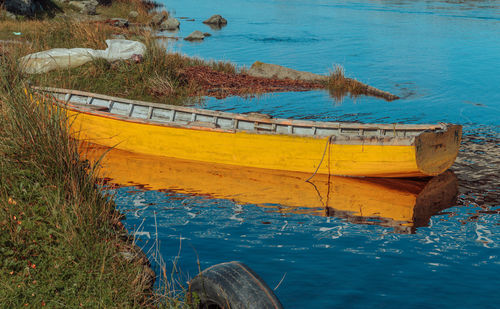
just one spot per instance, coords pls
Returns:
(161, 85)
(339, 86)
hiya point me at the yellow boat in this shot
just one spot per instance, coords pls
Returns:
(258, 140)
(403, 204)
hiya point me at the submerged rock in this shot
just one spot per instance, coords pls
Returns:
(195, 36)
(216, 20)
(170, 24)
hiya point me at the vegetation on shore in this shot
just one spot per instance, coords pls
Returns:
(158, 77)
(61, 240)
(162, 76)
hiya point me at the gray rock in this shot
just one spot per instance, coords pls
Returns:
(216, 20)
(9, 15)
(118, 37)
(260, 69)
(77, 4)
(119, 22)
(195, 36)
(81, 4)
(133, 14)
(170, 24)
(159, 18)
(89, 9)
(268, 70)
(20, 7)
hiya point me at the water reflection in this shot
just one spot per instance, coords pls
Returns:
(216, 27)
(404, 204)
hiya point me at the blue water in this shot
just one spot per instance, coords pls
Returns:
(443, 58)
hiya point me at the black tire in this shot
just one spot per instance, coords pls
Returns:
(232, 285)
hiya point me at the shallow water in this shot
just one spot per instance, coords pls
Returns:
(443, 58)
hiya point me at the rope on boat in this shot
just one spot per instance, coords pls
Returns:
(328, 142)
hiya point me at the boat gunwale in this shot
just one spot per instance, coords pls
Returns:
(237, 116)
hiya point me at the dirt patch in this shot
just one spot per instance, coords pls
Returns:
(222, 84)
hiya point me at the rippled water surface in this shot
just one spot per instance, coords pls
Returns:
(442, 58)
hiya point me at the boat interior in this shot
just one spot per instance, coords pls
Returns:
(171, 115)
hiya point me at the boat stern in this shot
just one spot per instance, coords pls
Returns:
(436, 151)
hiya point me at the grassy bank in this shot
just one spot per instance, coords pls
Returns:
(162, 76)
(157, 78)
(61, 240)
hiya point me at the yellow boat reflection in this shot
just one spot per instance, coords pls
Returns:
(404, 204)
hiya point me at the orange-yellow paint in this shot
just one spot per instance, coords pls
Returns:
(398, 201)
(281, 152)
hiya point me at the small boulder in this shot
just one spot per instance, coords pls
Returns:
(9, 15)
(89, 9)
(118, 37)
(133, 14)
(216, 20)
(195, 36)
(77, 4)
(20, 7)
(268, 70)
(81, 4)
(159, 18)
(170, 24)
(206, 34)
(118, 22)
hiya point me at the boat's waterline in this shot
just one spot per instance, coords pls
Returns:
(254, 141)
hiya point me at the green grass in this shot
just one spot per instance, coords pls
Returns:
(60, 238)
(157, 78)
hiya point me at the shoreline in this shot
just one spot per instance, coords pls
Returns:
(82, 224)
(63, 242)
(162, 76)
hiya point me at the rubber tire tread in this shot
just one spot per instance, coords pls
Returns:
(233, 285)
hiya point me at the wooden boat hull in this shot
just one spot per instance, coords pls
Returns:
(279, 152)
(400, 203)
(406, 153)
